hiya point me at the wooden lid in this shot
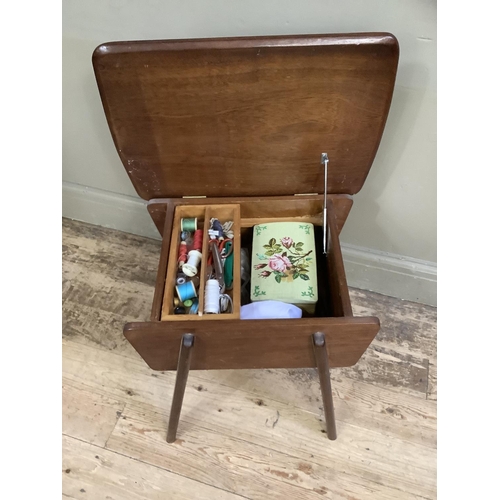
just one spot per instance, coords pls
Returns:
(247, 116)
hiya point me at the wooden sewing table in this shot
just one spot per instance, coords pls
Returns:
(237, 126)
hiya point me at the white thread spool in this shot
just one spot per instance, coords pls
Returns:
(212, 294)
(190, 268)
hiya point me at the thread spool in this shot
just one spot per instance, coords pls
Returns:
(191, 266)
(189, 224)
(180, 279)
(198, 240)
(183, 254)
(194, 307)
(186, 291)
(212, 294)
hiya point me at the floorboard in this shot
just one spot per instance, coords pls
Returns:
(242, 433)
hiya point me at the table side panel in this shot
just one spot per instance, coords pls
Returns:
(234, 344)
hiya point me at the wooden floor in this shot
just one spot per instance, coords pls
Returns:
(242, 434)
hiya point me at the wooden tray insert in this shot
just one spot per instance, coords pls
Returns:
(204, 213)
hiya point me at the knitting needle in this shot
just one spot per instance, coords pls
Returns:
(324, 161)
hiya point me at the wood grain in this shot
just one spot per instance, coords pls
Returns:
(247, 116)
(91, 472)
(227, 344)
(239, 438)
(341, 302)
(161, 276)
(252, 469)
(257, 207)
(82, 408)
(389, 411)
(387, 428)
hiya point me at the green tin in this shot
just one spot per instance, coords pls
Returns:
(284, 264)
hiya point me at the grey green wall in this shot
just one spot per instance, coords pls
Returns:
(389, 240)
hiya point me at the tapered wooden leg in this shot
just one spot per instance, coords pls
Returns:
(183, 364)
(321, 354)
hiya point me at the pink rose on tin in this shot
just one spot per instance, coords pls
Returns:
(287, 242)
(279, 263)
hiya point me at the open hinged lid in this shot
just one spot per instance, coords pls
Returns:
(247, 116)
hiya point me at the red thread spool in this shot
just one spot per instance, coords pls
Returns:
(198, 240)
(183, 254)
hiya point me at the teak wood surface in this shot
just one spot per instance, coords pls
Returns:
(253, 207)
(247, 116)
(225, 344)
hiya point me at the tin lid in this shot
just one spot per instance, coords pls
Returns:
(247, 116)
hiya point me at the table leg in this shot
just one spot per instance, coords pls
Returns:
(183, 364)
(321, 355)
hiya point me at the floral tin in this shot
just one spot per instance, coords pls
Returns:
(284, 264)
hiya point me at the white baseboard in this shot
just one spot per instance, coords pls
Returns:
(102, 208)
(367, 269)
(390, 274)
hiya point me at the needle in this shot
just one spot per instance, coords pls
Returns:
(324, 161)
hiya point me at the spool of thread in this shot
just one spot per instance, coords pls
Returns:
(177, 302)
(198, 240)
(180, 279)
(228, 267)
(194, 307)
(188, 303)
(212, 294)
(189, 224)
(191, 267)
(186, 291)
(179, 310)
(183, 254)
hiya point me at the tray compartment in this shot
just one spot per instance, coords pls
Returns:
(204, 213)
(181, 212)
(224, 213)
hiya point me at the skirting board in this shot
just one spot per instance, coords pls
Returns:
(389, 274)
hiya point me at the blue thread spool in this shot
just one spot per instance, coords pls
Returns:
(186, 291)
(194, 307)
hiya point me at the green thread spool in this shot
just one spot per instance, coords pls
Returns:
(189, 224)
(228, 267)
(188, 303)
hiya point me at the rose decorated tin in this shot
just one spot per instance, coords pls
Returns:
(284, 264)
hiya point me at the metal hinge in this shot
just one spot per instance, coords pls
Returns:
(194, 196)
(306, 194)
